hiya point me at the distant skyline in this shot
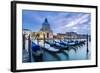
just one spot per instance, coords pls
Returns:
(60, 22)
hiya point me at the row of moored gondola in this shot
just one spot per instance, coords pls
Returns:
(64, 45)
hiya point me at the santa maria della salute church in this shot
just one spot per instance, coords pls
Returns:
(44, 33)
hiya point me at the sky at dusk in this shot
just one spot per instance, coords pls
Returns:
(60, 22)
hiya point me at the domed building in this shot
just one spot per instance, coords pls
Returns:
(46, 26)
(46, 31)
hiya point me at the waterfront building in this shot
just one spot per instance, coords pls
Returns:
(71, 35)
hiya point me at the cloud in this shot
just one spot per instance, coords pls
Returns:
(77, 21)
(59, 21)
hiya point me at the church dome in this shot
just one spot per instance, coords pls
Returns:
(46, 26)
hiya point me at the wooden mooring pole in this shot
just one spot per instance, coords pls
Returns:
(29, 49)
(87, 50)
(23, 36)
(44, 40)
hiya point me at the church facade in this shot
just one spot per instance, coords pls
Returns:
(45, 32)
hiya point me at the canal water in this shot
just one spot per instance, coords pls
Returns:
(79, 54)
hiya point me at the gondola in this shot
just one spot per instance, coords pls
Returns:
(66, 45)
(52, 51)
(56, 45)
